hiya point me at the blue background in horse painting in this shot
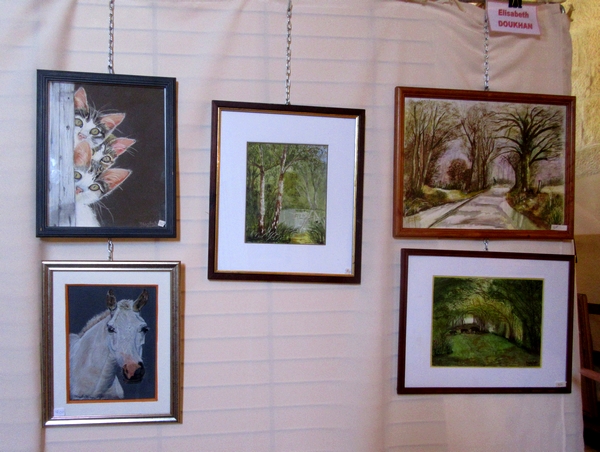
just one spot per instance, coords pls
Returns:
(85, 301)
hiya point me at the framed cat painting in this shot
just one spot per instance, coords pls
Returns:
(105, 155)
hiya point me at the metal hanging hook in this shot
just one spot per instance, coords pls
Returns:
(111, 248)
(485, 245)
(288, 61)
(111, 36)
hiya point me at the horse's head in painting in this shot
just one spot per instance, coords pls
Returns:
(126, 334)
(111, 342)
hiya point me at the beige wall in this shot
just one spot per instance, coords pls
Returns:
(585, 32)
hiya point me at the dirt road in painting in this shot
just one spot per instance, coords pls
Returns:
(489, 210)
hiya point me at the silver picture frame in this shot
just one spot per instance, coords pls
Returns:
(88, 306)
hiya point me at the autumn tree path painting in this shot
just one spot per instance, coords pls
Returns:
(473, 163)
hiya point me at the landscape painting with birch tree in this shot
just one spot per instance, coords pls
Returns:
(483, 165)
(286, 193)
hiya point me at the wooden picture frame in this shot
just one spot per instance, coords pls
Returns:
(286, 193)
(105, 155)
(485, 322)
(482, 164)
(99, 313)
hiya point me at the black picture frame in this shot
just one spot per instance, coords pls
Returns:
(334, 137)
(139, 183)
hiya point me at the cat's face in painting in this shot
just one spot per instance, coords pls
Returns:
(90, 188)
(105, 155)
(90, 125)
(90, 185)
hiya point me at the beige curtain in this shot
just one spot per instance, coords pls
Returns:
(268, 367)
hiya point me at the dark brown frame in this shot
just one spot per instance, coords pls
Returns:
(416, 375)
(495, 100)
(275, 123)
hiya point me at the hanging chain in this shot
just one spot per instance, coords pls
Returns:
(111, 248)
(111, 36)
(288, 61)
(486, 52)
(111, 70)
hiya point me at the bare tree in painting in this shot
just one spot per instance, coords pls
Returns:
(480, 143)
(533, 134)
(430, 127)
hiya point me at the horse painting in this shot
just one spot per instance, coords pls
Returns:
(109, 343)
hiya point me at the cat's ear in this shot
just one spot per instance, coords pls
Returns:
(112, 120)
(80, 99)
(120, 145)
(82, 154)
(115, 177)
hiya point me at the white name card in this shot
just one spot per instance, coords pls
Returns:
(513, 20)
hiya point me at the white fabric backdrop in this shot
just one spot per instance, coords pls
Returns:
(268, 367)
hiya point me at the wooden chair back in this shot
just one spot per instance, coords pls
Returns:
(586, 353)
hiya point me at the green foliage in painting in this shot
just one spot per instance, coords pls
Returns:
(286, 193)
(487, 322)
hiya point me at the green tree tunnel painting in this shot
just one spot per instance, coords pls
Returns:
(487, 322)
(286, 193)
